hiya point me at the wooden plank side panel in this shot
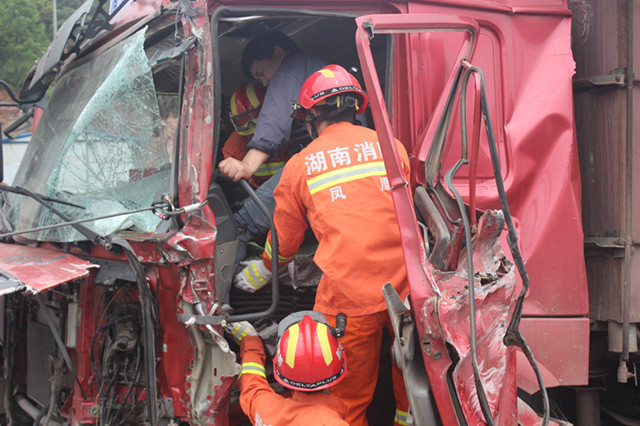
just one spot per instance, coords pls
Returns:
(599, 43)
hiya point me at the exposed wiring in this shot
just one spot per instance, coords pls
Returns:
(111, 359)
(149, 320)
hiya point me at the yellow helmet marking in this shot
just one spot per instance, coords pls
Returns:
(294, 333)
(251, 94)
(323, 336)
(232, 104)
(327, 73)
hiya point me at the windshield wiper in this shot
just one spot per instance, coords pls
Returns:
(23, 191)
(84, 230)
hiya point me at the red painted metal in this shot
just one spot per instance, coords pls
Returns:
(527, 380)
(422, 283)
(174, 339)
(523, 47)
(197, 114)
(561, 346)
(544, 196)
(496, 362)
(527, 416)
(78, 407)
(38, 269)
(135, 11)
(438, 296)
(528, 67)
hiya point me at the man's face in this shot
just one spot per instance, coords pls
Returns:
(263, 70)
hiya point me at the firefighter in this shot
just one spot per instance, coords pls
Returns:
(309, 360)
(338, 183)
(245, 106)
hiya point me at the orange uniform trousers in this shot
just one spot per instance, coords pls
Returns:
(361, 344)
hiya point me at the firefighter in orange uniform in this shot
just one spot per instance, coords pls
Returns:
(339, 184)
(309, 360)
(245, 106)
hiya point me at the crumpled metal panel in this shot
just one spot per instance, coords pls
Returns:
(193, 242)
(495, 282)
(528, 65)
(37, 269)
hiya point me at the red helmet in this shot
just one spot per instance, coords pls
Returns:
(245, 106)
(325, 83)
(308, 356)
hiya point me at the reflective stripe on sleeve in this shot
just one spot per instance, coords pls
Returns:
(401, 417)
(281, 259)
(252, 368)
(239, 333)
(346, 174)
(269, 169)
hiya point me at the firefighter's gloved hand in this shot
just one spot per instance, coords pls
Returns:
(253, 277)
(239, 330)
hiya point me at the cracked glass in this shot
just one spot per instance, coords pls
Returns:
(100, 145)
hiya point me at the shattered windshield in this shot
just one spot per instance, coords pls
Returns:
(99, 144)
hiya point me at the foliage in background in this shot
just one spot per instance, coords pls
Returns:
(26, 29)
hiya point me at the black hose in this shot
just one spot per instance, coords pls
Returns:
(15, 98)
(10, 319)
(512, 337)
(275, 286)
(41, 414)
(136, 371)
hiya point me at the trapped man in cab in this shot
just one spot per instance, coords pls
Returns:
(272, 59)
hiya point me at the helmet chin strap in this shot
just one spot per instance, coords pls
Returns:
(311, 120)
(314, 130)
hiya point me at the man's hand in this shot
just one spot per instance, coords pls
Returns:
(236, 169)
(240, 330)
(253, 277)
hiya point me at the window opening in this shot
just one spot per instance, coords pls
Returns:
(101, 144)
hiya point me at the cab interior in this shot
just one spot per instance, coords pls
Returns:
(329, 36)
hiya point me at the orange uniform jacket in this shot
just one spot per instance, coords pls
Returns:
(340, 184)
(236, 147)
(265, 407)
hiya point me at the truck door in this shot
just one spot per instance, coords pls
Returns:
(418, 107)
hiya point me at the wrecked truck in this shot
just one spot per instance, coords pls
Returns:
(118, 239)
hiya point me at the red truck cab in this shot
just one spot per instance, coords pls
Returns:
(119, 241)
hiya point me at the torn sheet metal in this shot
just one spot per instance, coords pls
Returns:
(193, 242)
(495, 280)
(37, 269)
